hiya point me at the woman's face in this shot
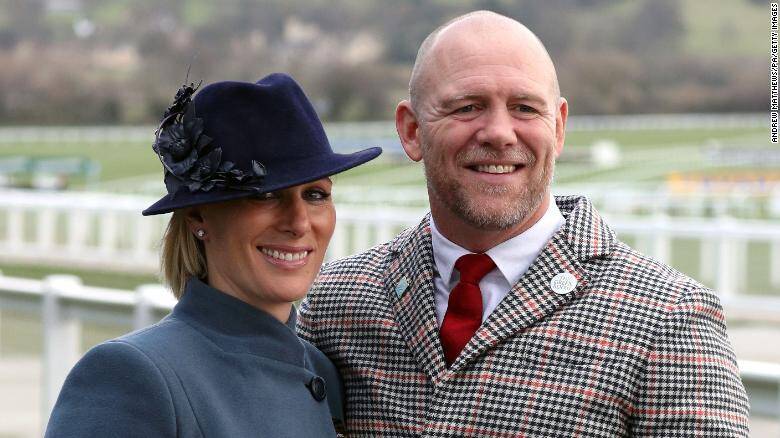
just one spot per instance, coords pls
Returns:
(267, 250)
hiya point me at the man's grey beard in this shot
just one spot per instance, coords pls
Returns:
(516, 210)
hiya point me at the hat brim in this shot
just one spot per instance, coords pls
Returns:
(295, 173)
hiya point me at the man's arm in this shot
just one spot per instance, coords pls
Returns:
(305, 323)
(692, 384)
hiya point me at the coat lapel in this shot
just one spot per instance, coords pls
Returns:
(409, 283)
(582, 237)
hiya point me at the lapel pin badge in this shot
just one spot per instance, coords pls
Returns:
(563, 283)
(401, 287)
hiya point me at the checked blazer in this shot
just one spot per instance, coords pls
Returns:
(636, 349)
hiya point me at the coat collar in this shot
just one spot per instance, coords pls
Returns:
(409, 280)
(238, 327)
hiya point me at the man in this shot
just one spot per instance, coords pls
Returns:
(549, 326)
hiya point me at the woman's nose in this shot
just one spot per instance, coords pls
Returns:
(295, 217)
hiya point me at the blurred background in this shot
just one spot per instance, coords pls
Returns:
(668, 135)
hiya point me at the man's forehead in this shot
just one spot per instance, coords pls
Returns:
(466, 47)
(486, 36)
(484, 24)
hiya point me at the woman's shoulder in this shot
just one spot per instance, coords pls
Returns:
(165, 329)
(115, 387)
(113, 358)
(144, 352)
(168, 337)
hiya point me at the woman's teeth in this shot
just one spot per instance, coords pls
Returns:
(286, 256)
(495, 169)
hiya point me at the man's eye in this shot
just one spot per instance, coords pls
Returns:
(465, 109)
(525, 109)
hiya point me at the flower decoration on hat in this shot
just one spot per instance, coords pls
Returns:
(189, 156)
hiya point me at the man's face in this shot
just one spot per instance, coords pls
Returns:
(490, 130)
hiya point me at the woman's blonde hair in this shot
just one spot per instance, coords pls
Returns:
(183, 255)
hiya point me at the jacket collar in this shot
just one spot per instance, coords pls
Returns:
(409, 280)
(238, 327)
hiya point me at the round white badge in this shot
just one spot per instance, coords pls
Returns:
(563, 283)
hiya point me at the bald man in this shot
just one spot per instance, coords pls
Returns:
(507, 311)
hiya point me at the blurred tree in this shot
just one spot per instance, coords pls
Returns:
(352, 56)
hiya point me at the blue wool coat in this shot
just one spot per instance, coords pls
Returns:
(214, 367)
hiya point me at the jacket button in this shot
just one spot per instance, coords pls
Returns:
(317, 387)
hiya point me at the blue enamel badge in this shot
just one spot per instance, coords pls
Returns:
(401, 287)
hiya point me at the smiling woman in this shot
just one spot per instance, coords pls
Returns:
(247, 170)
(266, 249)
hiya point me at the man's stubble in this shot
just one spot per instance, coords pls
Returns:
(505, 210)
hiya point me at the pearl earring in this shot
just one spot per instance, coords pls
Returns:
(200, 233)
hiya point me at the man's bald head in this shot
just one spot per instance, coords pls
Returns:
(485, 24)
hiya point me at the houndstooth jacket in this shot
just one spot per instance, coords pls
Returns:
(635, 349)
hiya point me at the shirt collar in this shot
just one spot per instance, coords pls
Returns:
(512, 257)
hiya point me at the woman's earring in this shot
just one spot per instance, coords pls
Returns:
(201, 233)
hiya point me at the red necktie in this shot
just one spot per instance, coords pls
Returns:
(464, 307)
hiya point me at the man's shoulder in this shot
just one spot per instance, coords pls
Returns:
(613, 265)
(364, 272)
(360, 272)
(647, 278)
(370, 261)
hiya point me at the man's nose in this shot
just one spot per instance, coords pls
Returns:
(498, 130)
(295, 218)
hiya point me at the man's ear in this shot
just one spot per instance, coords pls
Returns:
(408, 130)
(560, 125)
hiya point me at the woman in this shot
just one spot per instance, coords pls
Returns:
(246, 169)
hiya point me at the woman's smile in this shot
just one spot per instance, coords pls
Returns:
(286, 256)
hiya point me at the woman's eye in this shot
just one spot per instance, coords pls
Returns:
(317, 195)
(265, 196)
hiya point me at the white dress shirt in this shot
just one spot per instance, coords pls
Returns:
(512, 258)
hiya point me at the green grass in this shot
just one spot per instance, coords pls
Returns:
(21, 333)
(728, 27)
(115, 280)
(132, 163)
(644, 139)
(648, 156)
(117, 160)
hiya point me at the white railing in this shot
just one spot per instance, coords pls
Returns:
(609, 198)
(65, 304)
(104, 231)
(94, 230)
(107, 231)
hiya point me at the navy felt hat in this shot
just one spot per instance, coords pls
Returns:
(238, 139)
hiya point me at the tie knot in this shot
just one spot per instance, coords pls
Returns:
(473, 267)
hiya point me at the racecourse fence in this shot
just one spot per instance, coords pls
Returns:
(100, 231)
(64, 305)
(106, 231)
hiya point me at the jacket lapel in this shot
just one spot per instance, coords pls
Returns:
(582, 237)
(409, 283)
